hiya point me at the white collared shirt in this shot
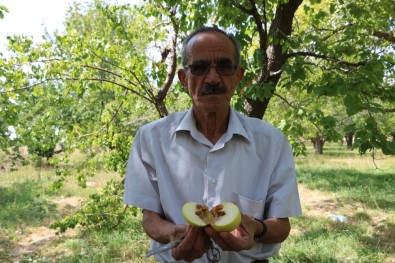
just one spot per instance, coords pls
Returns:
(171, 163)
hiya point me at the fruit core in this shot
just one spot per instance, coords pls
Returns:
(210, 216)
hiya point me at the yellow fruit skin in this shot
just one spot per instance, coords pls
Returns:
(188, 211)
(225, 224)
(230, 223)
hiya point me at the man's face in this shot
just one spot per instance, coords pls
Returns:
(210, 90)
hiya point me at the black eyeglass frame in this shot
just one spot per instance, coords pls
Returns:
(207, 66)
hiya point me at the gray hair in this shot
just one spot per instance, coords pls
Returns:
(210, 29)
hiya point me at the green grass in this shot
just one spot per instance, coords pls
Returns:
(322, 240)
(28, 203)
(373, 189)
(119, 245)
(360, 188)
(22, 204)
(363, 190)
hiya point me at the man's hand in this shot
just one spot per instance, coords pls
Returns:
(194, 245)
(242, 238)
(195, 241)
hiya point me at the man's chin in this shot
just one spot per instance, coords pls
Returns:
(211, 99)
(212, 103)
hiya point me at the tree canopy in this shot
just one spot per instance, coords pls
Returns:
(317, 69)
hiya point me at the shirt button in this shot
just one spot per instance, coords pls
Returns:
(213, 181)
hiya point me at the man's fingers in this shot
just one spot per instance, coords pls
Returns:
(237, 240)
(194, 245)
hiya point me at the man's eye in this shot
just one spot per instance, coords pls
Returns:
(200, 64)
(226, 65)
(199, 68)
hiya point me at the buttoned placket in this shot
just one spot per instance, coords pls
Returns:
(212, 174)
(211, 180)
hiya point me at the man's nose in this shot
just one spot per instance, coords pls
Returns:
(212, 76)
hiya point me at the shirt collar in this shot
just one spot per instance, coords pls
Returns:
(187, 122)
(235, 126)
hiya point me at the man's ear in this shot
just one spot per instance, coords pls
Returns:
(240, 73)
(182, 76)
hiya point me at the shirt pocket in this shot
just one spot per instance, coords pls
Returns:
(248, 206)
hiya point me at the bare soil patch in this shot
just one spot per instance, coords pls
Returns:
(317, 203)
(35, 239)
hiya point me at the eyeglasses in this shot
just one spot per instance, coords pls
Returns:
(201, 68)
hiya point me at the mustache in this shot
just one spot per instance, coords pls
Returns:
(212, 89)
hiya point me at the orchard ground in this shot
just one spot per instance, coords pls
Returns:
(339, 183)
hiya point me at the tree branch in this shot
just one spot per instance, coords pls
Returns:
(253, 11)
(285, 100)
(109, 72)
(325, 57)
(386, 36)
(242, 8)
(332, 31)
(259, 25)
(171, 69)
(323, 68)
(140, 83)
(280, 29)
(78, 79)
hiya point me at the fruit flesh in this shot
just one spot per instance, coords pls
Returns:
(224, 217)
(229, 221)
(193, 219)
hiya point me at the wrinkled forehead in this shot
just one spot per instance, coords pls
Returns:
(211, 47)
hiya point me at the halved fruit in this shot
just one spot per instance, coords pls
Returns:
(224, 217)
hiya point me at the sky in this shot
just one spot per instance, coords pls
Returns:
(30, 17)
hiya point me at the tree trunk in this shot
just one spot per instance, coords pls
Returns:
(257, 108)
(161, 108)
(273, 55)
(349, 139)
(318, 144)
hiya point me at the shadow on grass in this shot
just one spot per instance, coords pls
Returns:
(375, 190)
(6, 248)
(382, 238)
(126, 243)
(22, 205)
(326, 241)
(340, 152)
(333, 150)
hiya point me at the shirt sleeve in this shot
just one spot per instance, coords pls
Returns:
(283, 196)
(141, 188)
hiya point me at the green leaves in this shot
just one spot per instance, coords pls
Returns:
(103, 211)
(94, 84)
(2, 10)
(353, 104)
(371, 138)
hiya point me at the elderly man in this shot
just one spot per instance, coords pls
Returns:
(211, 154)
